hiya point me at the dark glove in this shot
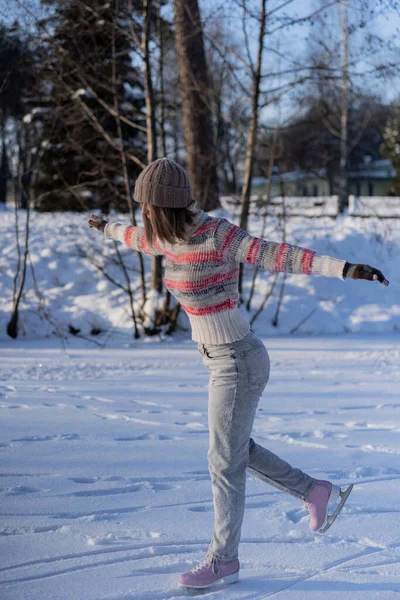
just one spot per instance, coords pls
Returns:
(97, 222)
(351, 271)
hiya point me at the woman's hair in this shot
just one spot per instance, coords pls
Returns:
(167, 224)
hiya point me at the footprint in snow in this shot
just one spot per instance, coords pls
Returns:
(10, 531)
(7, 389)
(161, 487)
(97, 399)
(264, 504)
(361, 407)
(108, 540)
(47, 438)
(83, 479)
(149, 403)
(201, 509)
(144, 436)
(35, 438)
(111, 539)
(91, 480)
(201, 472)
(128, 489)
(20, 490)
(395, 406)
(295, 515)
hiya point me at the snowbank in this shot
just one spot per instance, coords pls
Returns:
(72, 292)
(374, 206)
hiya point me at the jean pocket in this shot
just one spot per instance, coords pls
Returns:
(257, 366)
(218, 352)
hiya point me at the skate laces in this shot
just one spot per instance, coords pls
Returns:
(205, 564)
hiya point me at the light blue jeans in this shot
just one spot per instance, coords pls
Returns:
(239, 374)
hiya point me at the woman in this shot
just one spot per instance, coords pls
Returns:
(203, 254)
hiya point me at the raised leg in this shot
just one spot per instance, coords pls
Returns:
(272, 469)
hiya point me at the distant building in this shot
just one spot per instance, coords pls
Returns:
(372, 178)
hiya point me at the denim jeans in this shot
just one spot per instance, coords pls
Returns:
(239, 374)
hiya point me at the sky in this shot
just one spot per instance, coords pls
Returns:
(292, 42)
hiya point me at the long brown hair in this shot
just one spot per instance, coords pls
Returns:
(167, 224)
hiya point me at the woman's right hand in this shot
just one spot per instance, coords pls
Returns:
(97, 222)
(364, 272)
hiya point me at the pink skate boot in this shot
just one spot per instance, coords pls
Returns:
(318, 502)
(209, 571)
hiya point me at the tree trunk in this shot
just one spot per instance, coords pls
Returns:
(196, 104)
(12, 326)
(343, 173)
(21, 164)
(156, 261)
(267, 203)
(252, 135)
(3, 166)
(128, 191)
(148, 83)
(161, 78)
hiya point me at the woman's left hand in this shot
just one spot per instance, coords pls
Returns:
(97, 222)
(364, 272)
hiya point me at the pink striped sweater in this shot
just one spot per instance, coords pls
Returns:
(202, 272)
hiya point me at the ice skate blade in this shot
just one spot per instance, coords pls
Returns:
(331, 518)
(234, 578)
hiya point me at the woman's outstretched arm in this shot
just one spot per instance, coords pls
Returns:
(132, 236)
(237, 245)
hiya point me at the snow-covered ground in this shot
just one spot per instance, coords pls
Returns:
(104, 488)
(71, 291)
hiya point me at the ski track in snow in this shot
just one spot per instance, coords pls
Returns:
(104, 484)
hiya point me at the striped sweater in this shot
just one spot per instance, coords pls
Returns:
(202, 272)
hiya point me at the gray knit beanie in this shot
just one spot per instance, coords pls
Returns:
(164, 183)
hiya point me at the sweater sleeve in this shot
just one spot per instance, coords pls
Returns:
(236, 245)
(132, 236)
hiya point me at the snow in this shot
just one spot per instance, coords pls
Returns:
(66, 256)
(374, 206)
(80, 92)
(104, 488)
(40, 110)
(305, 206)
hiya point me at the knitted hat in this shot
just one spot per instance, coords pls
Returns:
(164, 183)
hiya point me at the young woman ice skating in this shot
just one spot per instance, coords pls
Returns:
(201, 270)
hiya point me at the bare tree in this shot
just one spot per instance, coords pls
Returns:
(272, 157)
(229, 103)
(344, 106)
(348, 61)
(156, 261)
(161, 95)
(22, 260)
(196, 103)
(252, 134)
